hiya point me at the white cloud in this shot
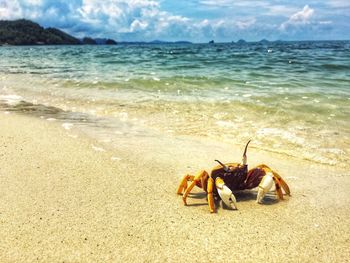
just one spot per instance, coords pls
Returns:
(281, 10)
(339, 3)
(10, 9)
(138, 25)
(234, 3)
(246, 23)
(299, 18)
(302, 16)
(34, 2)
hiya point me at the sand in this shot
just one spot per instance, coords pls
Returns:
(68, 198)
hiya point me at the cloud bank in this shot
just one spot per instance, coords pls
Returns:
(196, 20)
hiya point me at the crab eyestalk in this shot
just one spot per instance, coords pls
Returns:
(226, 169)
(244, 159)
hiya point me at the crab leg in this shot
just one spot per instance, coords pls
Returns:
(183, 185)
(196, 181)
(278, 188)
(282, 183)
(210, 195)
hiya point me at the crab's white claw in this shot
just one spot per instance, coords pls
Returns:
(226, 194)
(264, 186)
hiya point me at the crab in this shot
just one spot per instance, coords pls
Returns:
(231, 177)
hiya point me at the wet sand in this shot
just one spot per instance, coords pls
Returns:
(68, 198)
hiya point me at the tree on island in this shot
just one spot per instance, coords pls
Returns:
(25, 32)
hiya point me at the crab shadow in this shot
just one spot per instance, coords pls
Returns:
(198, 196)
(269, 198)
(241, 196)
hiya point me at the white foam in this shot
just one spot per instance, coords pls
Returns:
(123, 116)
(51, 119)
(291, 137)
(115, 158)
(335, 151)
(67, 125)
(11, 99)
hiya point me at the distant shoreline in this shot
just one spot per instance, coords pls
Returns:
(181, 43)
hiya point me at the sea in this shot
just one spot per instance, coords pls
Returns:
(291, 98)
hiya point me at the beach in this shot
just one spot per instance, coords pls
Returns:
(94, 141)
(69, 197)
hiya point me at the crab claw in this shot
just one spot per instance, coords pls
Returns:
(264, 186)
(226, 194)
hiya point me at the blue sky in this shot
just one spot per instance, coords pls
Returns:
(194, 20)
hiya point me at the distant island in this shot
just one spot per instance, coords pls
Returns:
(26, 32)
(154, 42)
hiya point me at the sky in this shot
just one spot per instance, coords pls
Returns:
(193, 20)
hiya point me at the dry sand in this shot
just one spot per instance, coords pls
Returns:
(62, 199)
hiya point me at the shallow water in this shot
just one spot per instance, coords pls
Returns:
(292, 98)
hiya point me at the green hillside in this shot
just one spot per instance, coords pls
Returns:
(25, 32)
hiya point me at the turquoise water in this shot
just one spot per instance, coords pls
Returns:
(292, 98)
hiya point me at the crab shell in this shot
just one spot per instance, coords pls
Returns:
(235, 177)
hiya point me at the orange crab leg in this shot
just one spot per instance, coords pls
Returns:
(183, 184)
(281, 182)
(196, 181)
(278, 188)
(210, 195)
